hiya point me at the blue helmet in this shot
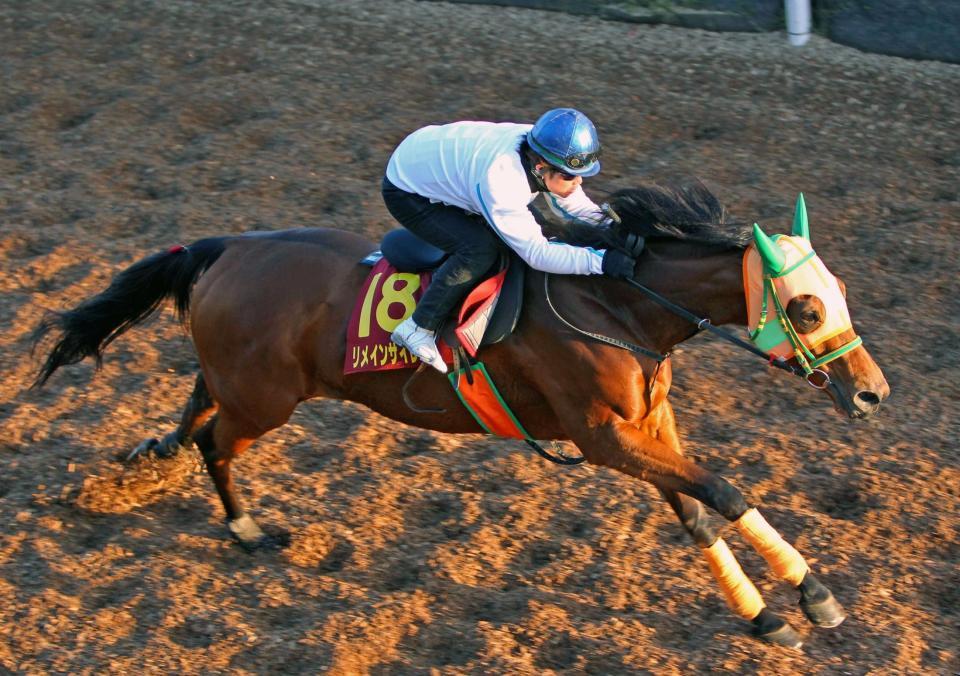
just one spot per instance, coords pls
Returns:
(567, 139)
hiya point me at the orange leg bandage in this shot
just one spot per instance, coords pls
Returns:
(785, 561)
(741, 595)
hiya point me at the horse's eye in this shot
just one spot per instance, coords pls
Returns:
(806, 313)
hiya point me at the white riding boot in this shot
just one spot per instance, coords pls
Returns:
(420, 342)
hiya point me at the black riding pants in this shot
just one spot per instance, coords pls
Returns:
(470, 241)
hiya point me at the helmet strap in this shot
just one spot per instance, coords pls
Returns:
(538, 178)
(536, 181)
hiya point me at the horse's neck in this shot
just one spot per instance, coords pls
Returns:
(710, 286)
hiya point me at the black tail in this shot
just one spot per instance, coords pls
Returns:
(133, 295)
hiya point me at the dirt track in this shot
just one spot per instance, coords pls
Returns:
(126, 127)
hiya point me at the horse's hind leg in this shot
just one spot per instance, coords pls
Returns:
(198, 410)
(741, 595)
(220, 441)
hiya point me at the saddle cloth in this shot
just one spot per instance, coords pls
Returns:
(400, 274)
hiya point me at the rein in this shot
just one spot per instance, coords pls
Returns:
(623, 345)
(702, 323)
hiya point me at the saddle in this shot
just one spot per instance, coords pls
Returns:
(491, 310)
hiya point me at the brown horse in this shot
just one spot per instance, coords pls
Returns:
(268, 315)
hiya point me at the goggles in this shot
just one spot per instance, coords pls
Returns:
(576, 161)
(562, 174)
(581, 160)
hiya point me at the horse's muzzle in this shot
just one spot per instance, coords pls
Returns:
(868, 402)
(864, 403)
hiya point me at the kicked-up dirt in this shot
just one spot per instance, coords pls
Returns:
(126, 127)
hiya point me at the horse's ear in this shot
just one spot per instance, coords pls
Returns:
(800, 226)
(773, 258)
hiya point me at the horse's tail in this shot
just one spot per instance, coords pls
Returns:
(133, 296)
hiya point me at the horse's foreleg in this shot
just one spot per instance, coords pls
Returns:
(622, 446)
(198, 410)
(220, 443)
(817, 602)
(741, 595)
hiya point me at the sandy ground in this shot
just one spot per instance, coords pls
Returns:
(129, 126)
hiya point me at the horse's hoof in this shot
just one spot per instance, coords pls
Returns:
(267, 542)
(250, 536)
(785, 636)
(143, 448)
(825, 613)
(168, 447)
(772, 629)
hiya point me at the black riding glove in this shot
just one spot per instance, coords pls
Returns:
(618, 264)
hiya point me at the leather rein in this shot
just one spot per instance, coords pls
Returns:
(702, 324)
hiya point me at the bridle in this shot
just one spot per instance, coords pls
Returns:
(808, 364)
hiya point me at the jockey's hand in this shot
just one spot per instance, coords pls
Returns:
(618, 265)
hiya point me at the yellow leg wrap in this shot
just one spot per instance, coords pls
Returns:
(785, 561)
(742, 597)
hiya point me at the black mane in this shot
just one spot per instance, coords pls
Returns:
(688, 212)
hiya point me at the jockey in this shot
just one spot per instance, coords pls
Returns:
(465, 187)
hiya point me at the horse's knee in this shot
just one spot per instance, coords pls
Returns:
(722, 496)
(696, 522)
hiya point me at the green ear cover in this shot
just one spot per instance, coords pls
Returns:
(773, 258)
(800, 226)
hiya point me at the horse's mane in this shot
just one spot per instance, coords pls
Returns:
(687, 212)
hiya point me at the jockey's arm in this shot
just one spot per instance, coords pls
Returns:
(576, 207)
(515, 225)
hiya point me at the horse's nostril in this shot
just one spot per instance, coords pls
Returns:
(869, 398)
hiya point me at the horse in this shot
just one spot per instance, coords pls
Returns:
(268, 313)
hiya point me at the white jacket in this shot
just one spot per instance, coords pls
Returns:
(476, 166)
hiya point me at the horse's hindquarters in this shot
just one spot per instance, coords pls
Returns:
(269, 319)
